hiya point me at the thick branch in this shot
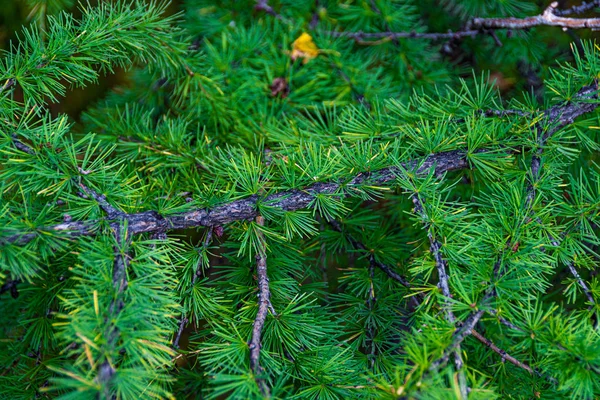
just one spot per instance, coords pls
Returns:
(264, 303)
(245, 209)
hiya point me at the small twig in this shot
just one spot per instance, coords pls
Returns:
(264, 303)
(9, 83)
(184, 320)
(106, 370)
(550, 17)
(442, 268)
(11, 286)
(371, 299)
(182, 324)
(502, 353)
(112, 212)
(415, 300)
(21, 146)
(359, 246)
(263, 5)
(580, 9)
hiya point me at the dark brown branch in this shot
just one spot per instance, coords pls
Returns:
(502, 353)
(550, 17)
(360, 36)
(245, 209)
(264, 303)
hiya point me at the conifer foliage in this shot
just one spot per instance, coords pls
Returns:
(354, 199)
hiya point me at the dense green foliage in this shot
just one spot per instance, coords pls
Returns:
(331, 140)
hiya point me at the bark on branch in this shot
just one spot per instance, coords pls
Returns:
(442, 269)
(502, 353)
(550, 17)
(558, 117)
(245, 209)
(264, 304)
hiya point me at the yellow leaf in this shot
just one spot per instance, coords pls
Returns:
(304, 48)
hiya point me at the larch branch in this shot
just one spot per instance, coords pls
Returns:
(264, 304)
(550, 17)
(502, 353)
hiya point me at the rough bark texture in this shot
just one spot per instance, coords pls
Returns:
(264, 303)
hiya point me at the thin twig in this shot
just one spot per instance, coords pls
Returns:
(184, 320)
(550, 17)
(359, 246)
(264, 303)
(263, 5)
(442, 268)
(103, 203)
(502, 353)
(11, 286)
(371, 300)
(504, 321)
(106, 370)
